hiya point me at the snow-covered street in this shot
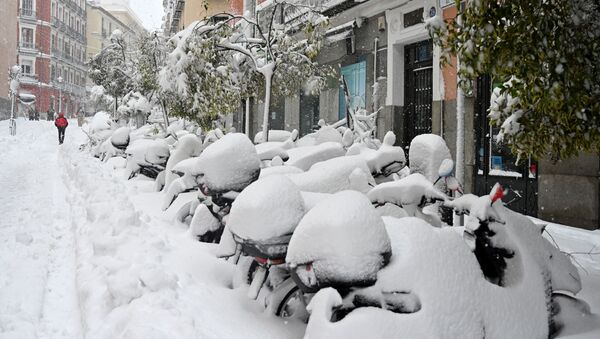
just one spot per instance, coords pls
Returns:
(38, 294)
(86, 253)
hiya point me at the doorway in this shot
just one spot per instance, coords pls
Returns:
(418, 89)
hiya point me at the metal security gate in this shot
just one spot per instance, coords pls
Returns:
(418, 83)
(496, 164)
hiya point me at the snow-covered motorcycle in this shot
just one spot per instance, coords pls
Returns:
(502, 271)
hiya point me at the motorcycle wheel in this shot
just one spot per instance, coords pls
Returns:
(292, 305)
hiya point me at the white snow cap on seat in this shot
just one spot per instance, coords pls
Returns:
(268, 208)
(426, 153)
(343, 236)
(229, 164)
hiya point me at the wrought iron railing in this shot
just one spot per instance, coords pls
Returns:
(27, 13)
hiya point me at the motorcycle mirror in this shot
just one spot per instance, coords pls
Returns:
(446, 168)
(452, 184)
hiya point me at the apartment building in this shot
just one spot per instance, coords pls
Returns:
(8, 51)
(180, 13)
(51, 53)
(104, 17)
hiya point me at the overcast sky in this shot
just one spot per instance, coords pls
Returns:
(149, 11)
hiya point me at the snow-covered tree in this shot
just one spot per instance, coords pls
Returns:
(544, 56)
(217, 62)
(112, 68)
(99, 100)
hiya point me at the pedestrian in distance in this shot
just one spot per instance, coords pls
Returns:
(61, 123)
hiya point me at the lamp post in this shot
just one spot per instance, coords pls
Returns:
(14, 74)
(60, 80)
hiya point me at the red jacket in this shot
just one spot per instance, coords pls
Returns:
(61, 121)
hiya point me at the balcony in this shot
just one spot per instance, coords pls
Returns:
(29, 78)
(27, 47)
(27, 14)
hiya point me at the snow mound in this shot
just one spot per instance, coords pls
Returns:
(120, 137)
(149, 151)
(407, 191)
(332, 175)
(274, 135)
(275, 170)
(272, 149)
(228, 164)
(426, 153)
(344, 238)
(304, 157)
(188, 146)
(100, 122)
(268, 208)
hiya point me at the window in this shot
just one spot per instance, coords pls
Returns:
(27, 7)
(52, 41)
(53, 10)
(27, 67)
(27, 37)
(356, 79)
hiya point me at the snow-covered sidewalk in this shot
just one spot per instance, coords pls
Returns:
(37, 261)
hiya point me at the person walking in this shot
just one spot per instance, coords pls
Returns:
(61, 123)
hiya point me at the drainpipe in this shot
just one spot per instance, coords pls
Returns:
(460, 132)
(247, 118)
(375, 99)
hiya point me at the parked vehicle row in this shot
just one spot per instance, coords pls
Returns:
(343, 234)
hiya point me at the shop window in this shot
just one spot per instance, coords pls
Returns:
(356, 79)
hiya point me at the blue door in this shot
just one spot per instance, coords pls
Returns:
(356, 79)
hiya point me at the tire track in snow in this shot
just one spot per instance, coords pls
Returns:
(61, 313)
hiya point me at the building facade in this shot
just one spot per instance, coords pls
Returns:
(8, 51)
(51, 53)
(386, 43)
(105, 17)
(180, 13)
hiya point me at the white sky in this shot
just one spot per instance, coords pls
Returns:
(149, 11)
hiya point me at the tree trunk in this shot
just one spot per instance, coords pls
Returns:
(165, 114)
(268, 73)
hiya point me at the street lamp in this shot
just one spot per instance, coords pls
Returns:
(60, 80)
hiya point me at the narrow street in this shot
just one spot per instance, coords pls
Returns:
(38, 295)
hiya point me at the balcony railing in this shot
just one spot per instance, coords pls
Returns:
(27, 46)
(29, 78)
(27, 13)
(68, 30)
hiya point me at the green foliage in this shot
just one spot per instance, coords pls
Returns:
(212, 66)
(112, 69)
(551, 51)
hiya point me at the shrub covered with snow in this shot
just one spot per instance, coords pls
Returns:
(344, 238)
(228, 164)
(268, 208)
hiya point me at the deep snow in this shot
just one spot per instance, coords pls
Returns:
(84, 252)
